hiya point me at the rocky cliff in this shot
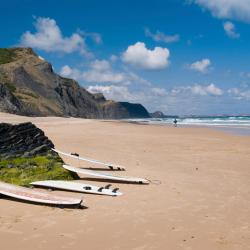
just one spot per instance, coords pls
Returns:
(29, 86)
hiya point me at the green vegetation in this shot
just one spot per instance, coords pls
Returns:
(6, 55)
(23, 170)
(11, 87)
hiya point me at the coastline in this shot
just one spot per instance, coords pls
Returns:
(233, 130)
(201, 203)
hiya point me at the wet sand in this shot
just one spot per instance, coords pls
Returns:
(199, 198)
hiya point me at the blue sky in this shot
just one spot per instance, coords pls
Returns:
(181, 57)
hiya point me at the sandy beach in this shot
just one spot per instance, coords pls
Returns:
(199, 198)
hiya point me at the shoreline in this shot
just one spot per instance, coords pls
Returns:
(233, 130)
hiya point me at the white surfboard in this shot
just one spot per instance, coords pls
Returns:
(106, 176)
(76, 156)
(31, 195)
(77, 187)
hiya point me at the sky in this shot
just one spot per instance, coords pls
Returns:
(183, 57)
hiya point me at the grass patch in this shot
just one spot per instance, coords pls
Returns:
(6, 55)
(23, 170)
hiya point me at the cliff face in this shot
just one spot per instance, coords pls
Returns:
(28, 86)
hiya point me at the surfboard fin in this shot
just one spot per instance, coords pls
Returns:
(87, 188)
(100, 189)
(115, 190)
(75, 154)
(108, 186)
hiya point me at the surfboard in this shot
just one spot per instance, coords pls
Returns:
(106, 176)
(76, 156)
(77, 187)
(31, 195)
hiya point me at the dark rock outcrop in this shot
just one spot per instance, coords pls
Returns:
(24, 139)
(28, 86)
(159, 114)
(122, 110)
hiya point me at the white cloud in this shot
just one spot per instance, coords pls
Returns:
(205, 90)
(198, 89)
(161, 37)
(232, 9)
(239, 93)
(48, 37)
(201, 66)
(100, 65)
(229, 28)
(69, 72)
(100, 71)
(113, 92)
(159, 91)
(152, 98)
(103, 77)
(139, 56)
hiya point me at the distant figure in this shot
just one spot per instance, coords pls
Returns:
(175, 122)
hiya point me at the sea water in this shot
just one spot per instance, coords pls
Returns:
(233, 124)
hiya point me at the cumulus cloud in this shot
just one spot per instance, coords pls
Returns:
(205, 90)
(229, 28)
(161, 37)
(48, 37)
(138, 55)
(201, 66)
(232, 9)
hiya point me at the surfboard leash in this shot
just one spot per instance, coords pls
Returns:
(154, 182)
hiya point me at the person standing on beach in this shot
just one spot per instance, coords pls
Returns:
(175, 122)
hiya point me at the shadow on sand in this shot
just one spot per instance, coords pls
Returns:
(79, 206)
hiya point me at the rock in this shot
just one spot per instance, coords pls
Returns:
(24, 139)
(159, 114)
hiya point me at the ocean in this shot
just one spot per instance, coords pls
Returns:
(232, 124)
